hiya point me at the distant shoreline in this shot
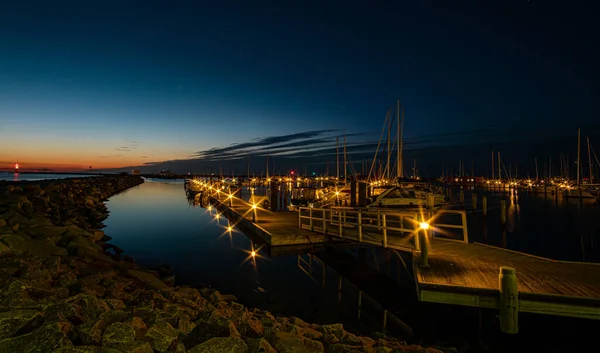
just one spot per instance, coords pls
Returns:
(58, 173)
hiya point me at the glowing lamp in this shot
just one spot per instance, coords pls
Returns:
(229, 229)
(254, 206)
(424, 225)
(253, 253)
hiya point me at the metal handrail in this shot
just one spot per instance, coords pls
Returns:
(334, 221)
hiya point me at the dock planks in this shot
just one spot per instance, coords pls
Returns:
(467, 274)
(275, 228)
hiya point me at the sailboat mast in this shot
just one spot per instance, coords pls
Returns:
(537, 177)
(267, 165)
(400, 171)
(499, 168)
(578, 154)
(337, 157)
(590, 161)
(389, 141)
(493, 176)
(345, 160)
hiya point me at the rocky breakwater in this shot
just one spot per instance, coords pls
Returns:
(61, 292)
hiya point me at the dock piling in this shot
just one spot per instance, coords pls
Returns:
(509, 300)
(461, 197)
(424, 248)
(384, 225)
(474, 201)
(362, 194)
(484, 205)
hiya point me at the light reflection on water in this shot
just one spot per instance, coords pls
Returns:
(155, 224)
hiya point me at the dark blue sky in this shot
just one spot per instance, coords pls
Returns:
(121, 83)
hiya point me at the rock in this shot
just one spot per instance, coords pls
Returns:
(286, 342)
(162, 337)
(221, 345)
(257, 345)
(115, 304)
(19, 322)
(118, 333)
(97, 234)
(86, 349)
(139, 327)
(252, 327)
(229, 297)
(149, 280)
(4, 250)
(134, 347)
(47, 338)
(90, 332)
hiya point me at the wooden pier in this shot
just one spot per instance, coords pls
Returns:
(448, 269)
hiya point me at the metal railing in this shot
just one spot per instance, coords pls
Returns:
(381, 226)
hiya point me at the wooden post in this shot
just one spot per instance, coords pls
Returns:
(340, 222)
(461, 196)
(323, 215)
(274, 198)
(503, 212)
(254, 215)
(424, 248)
(484, 205)
(360, 228)
(383, 220)
(353, 202)
(310, 219)
(362, 194)
(509, 300)
(430, 201)
(474, 201)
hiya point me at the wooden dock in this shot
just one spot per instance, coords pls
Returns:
(273, 228)
(467, 274)
(447, 268)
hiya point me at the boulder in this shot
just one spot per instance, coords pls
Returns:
(162, 337)
(221, 345)
(286, 342)
(118, 333)
(139, 327)
(258, 345)
(47, 338)
(18, 322)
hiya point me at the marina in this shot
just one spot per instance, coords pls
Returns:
(448, 269)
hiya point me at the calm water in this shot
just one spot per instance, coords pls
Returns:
(156, 225)
(35, 176)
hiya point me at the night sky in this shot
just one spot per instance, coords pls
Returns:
(116, 84)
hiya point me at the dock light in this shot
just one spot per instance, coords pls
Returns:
(230, 196)
(229, 229)
(254, 206)
(209, 208)
(337, 193)
(217, 216)
(424, 225)
(253, 253)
